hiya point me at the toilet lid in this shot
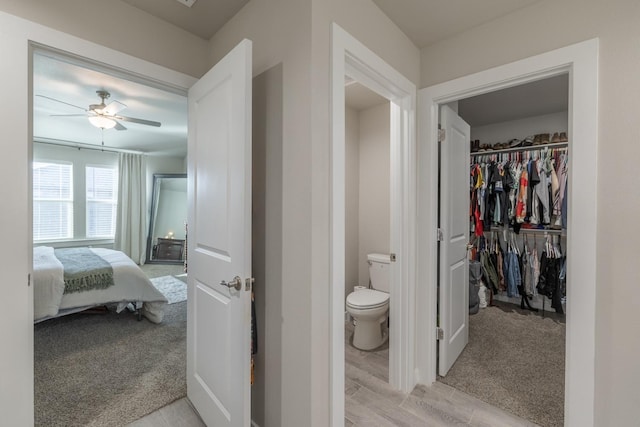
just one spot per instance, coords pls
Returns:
(367, 298)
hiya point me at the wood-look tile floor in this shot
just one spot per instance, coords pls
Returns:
(370, 400)
(177, 414)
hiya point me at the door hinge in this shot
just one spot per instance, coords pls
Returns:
(28, 280)
(440, 235)
(439, 334)
(442, 134)
(248, 283)
(392, 257)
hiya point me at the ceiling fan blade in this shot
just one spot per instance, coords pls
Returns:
(68, 115)
(119, 126)
(139, 121)
(62, 102)
(113, 107)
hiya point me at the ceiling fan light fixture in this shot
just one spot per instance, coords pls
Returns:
(102, 122)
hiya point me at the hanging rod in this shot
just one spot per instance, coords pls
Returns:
(83, 146)
(553, 231)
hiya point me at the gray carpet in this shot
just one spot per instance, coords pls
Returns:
(515, 361)
(108, 369)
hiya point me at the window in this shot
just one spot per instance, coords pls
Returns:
(102, 200)
(52, 200)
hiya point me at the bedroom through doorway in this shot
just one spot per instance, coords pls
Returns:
(118, 330)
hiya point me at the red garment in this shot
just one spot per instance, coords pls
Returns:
(478, 221)
(476, 174)
(521, 205)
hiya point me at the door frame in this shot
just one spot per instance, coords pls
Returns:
(580, 62)
(20, 38)
(353, 59)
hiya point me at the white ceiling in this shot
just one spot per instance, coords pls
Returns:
(360, 97)
(423, 21)
(203, 19)
(427, 21)
(533, 99)
(545, 96)
(70, 81)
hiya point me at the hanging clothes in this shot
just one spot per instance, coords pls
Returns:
(516, 190)
(476, 186)
(488, 266)
(500, 266)
(512, 192)
(549, 280)
(514, 278)
(521, 205)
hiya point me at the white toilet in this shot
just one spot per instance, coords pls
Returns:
(370, 307)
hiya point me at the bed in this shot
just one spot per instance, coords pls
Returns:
(130, 286)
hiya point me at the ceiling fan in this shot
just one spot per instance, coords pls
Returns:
(104, 116)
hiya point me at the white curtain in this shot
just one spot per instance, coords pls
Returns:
(131, 220)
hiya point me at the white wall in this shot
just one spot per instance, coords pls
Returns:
(352, 196)
(297, 34)
(367, 216)
(16, 320)
(375, 182)
(366, 22)
(280, 33)
(120, 26)
(266, 393)
(544, 26)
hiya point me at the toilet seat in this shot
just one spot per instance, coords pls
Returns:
(367, 298)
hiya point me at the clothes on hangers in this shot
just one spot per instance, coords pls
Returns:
(514, 279)
(550, 271)
(519, 189)
(525, 189)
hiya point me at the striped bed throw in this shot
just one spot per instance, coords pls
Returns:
(84, 270)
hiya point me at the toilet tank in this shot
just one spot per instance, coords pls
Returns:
(379, 271)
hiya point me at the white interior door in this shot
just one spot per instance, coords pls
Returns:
(219, 242)
(454, 223)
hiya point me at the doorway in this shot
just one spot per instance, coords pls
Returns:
(354, 61)
(229, 113)
(367, 234)
(580, 63)
(68, 364)
(22, 37)
(515, 134)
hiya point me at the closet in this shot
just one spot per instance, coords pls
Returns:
(518, 219)
(519, 160)
(517, 199)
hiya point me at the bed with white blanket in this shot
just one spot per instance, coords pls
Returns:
(129, 285)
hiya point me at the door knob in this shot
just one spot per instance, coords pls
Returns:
(236, 283)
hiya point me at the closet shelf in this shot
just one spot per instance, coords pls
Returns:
(528, 148)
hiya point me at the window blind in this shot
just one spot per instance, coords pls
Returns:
(102, 199)
(52, 200)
